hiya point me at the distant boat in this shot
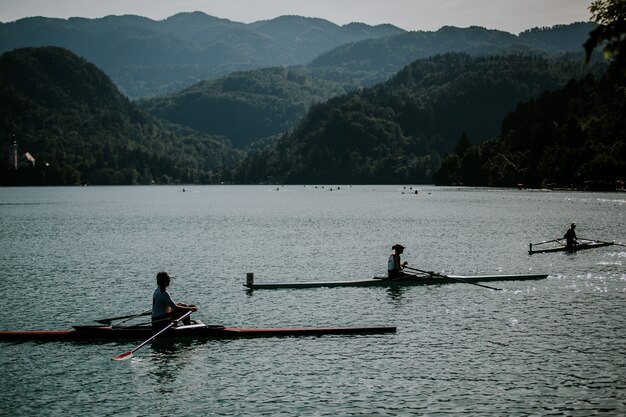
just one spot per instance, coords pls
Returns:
(558, 245)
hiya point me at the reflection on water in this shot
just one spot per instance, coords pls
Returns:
(555, 346)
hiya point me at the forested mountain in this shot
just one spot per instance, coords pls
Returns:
(574, 137)
(397, 131)
(254, 105)
(246, 106)
(79, 128)
(374, 60)
(147, 58)
(151, 58)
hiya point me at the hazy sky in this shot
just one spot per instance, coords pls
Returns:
(510, 15)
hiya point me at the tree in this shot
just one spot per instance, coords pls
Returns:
(611, 32)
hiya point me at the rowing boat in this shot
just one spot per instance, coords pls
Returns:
(196, 330)
(414, 279)
(564, 248)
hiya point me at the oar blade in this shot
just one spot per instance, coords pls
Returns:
(124, 356)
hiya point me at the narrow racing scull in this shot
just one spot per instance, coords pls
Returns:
(414, 279)
(196, 330)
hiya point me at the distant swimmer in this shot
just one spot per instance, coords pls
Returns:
(394, 264)
(570, 236)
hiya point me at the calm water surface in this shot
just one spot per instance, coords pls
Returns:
(551, 347)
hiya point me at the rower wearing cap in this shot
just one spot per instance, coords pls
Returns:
(570, 236)
(164, 309)
(394, 264)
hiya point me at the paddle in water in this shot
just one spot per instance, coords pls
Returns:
(452, 278)
(129, 354)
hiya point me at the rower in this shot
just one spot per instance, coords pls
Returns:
(570, 236)
(394, 264)
(164, 309)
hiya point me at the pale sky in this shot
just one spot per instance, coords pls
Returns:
(509, 15)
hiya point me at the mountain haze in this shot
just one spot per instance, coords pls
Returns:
(377, 59)
(149, 58)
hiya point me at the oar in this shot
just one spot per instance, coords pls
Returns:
(455, 279)
(547, 241)
(129, 354)
(602, 241)
(130, 316)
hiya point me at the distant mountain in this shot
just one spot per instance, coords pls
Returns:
(374, 60)
(69, 116)
(397, 132)
(250, 106)
(246, 106)
(148, 58)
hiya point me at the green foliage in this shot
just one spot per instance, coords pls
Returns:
(611, 32)
(80, 129)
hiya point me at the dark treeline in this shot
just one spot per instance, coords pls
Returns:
(574, 137)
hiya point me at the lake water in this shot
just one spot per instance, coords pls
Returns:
(549, 347)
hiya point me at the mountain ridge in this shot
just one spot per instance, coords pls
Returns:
(146, 57)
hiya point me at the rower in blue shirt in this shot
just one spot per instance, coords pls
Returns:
(164, 309)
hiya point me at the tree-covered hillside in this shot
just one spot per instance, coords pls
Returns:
(71, 118)
(574, 137)
(397, 131)
(246, 106)
(255, 105)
